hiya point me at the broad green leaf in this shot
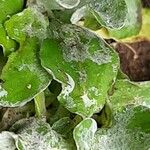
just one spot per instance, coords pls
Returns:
(9, 7)
(87, 69)
(7, 44)
(130, 131)
(127, 92)
(7, 141)
(111, 13)
(84, 133)
(68, 4)
(133, 21)
(29, 22)
(37, 134)
(23, 77)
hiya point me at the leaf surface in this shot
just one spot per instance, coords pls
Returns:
(23, 76)
(133, 21)
(84, 133)
(110, 14)
(87, 69)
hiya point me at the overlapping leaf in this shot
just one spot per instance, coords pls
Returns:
(29, 22)
(7, 44)
(84, 64)
(9, 8)
(126, 92)
(23, 77)
(84, 133)
(37, 134)
(129, 131)
(133, 21)
(110, 14)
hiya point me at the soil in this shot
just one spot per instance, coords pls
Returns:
(135, 59)
(146, 3)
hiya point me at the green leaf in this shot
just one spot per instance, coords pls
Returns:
(87, 69)
(111, 13)
(130, 131)
(9, 7)
(84, 133)
(23, 77)
(29, 22)
(68, 4)
(133, 21)
(37, 134)
(7, 141)
(127, 92)
(7, 44)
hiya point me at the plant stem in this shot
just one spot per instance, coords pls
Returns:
(40, 108)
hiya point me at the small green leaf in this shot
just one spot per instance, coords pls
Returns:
(9, 7)
(130, 131)
(127, 92)
(87, 69)
(23, 77)
(111, 13)
(7, 44)
(29, 22)
(84, 133)
(133, 21)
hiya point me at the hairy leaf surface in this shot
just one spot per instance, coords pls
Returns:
(84, 64)
(23, 76)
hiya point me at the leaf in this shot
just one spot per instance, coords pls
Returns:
(68, 4)
(7, 44)
(110, 14)
(145, 30)
(9, 7)
(7, 141)
(133, 21)
(84, 133)
(78, 14)
(23, 77)
(87, 69)
(126, 92)
(37, 134)
(130, 131)
(29, 22)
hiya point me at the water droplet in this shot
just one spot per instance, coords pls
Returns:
(29, 86)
